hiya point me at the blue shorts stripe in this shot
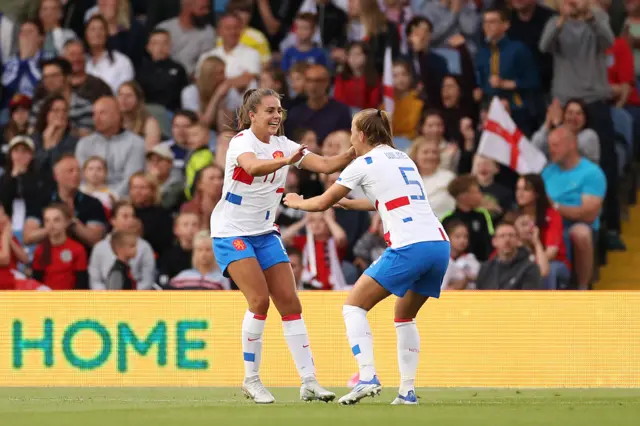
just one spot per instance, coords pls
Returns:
(248, 356)
(407, 219)
(233, 198)
(267, 216)
(355, 350)
(369, 160)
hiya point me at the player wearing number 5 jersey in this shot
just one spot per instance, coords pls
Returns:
(247, 245)
(413, 265)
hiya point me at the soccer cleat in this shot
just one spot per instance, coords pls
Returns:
(312, 391)
(410, 399)
(254, 389)
(362, 390)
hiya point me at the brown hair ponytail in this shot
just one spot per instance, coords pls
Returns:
(376, 126)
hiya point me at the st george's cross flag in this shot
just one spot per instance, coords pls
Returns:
(387, 82)
(503, 142)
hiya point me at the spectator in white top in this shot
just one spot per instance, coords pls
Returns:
(143, 265)
(242, 63)
(111, 66)
(191, 33)
(50, 14)
(426, 154)
(122, 150)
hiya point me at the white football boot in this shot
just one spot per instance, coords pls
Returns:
(312, 391)
(362, 390)
(255, 390)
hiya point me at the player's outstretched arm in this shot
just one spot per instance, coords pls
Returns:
(359, 204)
(320, 203)
(318, 164)
(257, 167)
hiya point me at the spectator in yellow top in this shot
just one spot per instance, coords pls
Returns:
(408, 105)
(199, 155)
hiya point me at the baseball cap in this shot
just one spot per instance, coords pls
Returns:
(24, 140)
(20, 101)
(163, 151)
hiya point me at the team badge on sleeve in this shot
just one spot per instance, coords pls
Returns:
(278, 154)
(239, 244)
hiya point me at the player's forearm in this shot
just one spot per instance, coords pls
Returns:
(257, 168)
(316, 204)
(359, 204)
(337, 162)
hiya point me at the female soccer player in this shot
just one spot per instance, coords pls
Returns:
(246, 242)
(413, 265)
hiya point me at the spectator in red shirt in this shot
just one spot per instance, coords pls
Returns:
(358, 85)
(59, 262)
(621, 73)
(323, 246)
(532, 199)
(10, 253)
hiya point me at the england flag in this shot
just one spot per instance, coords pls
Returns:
(503, 142)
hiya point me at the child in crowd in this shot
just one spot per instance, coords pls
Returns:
(143, 264)
(358, 85)
(305, 49)
(95, 182)
(297, 81)
(205, 274)
(60, 262)
(498, 199)
(178, 258)
(466, 191)
(124, 245)
(323, 246)
(11, 252)
(463, 267)
(199, 156)
(432, 128)
(275, 79)
(371, 245)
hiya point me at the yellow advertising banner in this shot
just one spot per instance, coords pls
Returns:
(470, 339)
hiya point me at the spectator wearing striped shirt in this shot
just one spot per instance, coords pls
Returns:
(56, 78)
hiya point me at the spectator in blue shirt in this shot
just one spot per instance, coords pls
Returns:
(577, 188)
(22, 71)
(304, 50)
(506, 68)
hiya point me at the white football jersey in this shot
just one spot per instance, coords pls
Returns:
(390, 180)
(248, 205)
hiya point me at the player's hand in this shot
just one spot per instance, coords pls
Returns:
(495, 81)
(293, 200)
(342, 204)
(352, 153)
(296, 156)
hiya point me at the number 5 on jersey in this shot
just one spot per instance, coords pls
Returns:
(403, 171)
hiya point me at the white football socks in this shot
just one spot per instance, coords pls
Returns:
(252, 329)
(408, 353)
(295, 332)
(360, 340)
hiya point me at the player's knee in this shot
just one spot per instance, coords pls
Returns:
(259, 304)
(289, 304)
(580, 234)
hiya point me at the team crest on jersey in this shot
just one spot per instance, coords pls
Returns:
(66, 256)
(239, 244)
(278, 154)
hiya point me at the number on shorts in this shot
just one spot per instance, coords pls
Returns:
(403, 170)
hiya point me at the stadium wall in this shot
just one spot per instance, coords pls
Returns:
(470, 339)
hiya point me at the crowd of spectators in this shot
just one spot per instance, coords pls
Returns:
(116, 117)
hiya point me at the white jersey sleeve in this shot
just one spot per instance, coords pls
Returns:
(354, 175)
(239, 146)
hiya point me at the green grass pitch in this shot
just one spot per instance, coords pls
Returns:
(227, 406)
